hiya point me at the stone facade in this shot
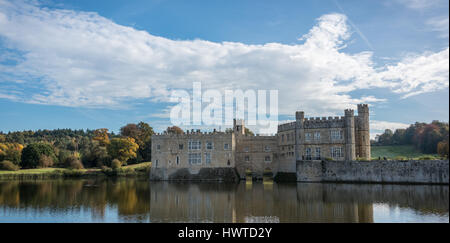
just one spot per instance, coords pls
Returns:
(337, 138)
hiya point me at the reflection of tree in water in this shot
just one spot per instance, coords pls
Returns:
(130, 196)
(140, 200)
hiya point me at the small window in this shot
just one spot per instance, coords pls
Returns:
(180, 146)
(208, 158)
(336, 152)
(317, 136)
(195, 145)
(267, 148)
(308, 136)
(226, 146)
(209, 145)
(267, 159)
(308, 154)
(247, 158)
(246, 149)
(158, 147)
(318, 157)
(336, 135)
(228, 163)
(195, 158)
(178, 160)
(156, 164)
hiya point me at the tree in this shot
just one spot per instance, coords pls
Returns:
(399, 137)
(142, 133)
(130, 130)
(101, 135)
(442, 149)
(11, 152)
(386, 137)
(175, 130)
(95, 155)
(122, 149)
(249, 132)
(31, 154)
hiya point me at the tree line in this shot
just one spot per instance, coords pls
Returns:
(432, 138)
(77, 149)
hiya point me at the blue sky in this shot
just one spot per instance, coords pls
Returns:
(91, 64)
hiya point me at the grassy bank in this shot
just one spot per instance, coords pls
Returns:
(141, 169)
(393, 152)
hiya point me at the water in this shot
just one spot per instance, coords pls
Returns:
(133, 200)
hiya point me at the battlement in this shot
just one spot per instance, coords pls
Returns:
(363, 108)
(286, 126)
(349, 112)
(188, 134)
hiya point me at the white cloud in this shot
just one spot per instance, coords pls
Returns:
(419, 74)
(420, 4)
(439, 24)
(75, 58)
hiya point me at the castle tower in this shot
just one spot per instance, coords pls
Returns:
(350, 149)
(239, 127)
(363, 132)
(299, 133)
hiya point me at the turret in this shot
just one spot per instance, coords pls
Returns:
(299, 115)
(363, 132)
(350, 151)
(239, 127)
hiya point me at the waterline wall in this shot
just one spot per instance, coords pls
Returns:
(408, 172)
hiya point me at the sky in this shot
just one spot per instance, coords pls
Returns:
(102, 64)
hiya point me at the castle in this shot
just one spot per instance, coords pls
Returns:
(342, 138)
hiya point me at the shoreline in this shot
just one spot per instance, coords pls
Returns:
(135, 170)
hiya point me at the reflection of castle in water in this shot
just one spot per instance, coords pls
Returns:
(238, 203)
(286, 202)
(141, 201)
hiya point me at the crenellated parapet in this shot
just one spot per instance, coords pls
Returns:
(287, 126)
(191, 134)
(323, 122)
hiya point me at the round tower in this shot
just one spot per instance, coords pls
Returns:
(350, 148)
(363, 131)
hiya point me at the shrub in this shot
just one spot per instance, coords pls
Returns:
(8, 165)
(116, 164)
(328, 159)
(45, 161)
(31, 154)
(73, 162)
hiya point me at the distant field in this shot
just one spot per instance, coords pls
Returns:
(391, 152)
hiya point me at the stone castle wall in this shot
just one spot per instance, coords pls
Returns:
(414, 171)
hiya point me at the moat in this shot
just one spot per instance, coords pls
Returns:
(135, 200)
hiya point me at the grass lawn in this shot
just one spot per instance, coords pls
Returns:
(50, 170)
(391, 152)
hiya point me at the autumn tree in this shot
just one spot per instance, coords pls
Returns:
(122, 149)
(101, 135)
(175, 130)
(11, 152)
(442, 149)
(142, 133)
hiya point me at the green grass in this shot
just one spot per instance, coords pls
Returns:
(391, 152)
(62, 171)
(139, 166)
